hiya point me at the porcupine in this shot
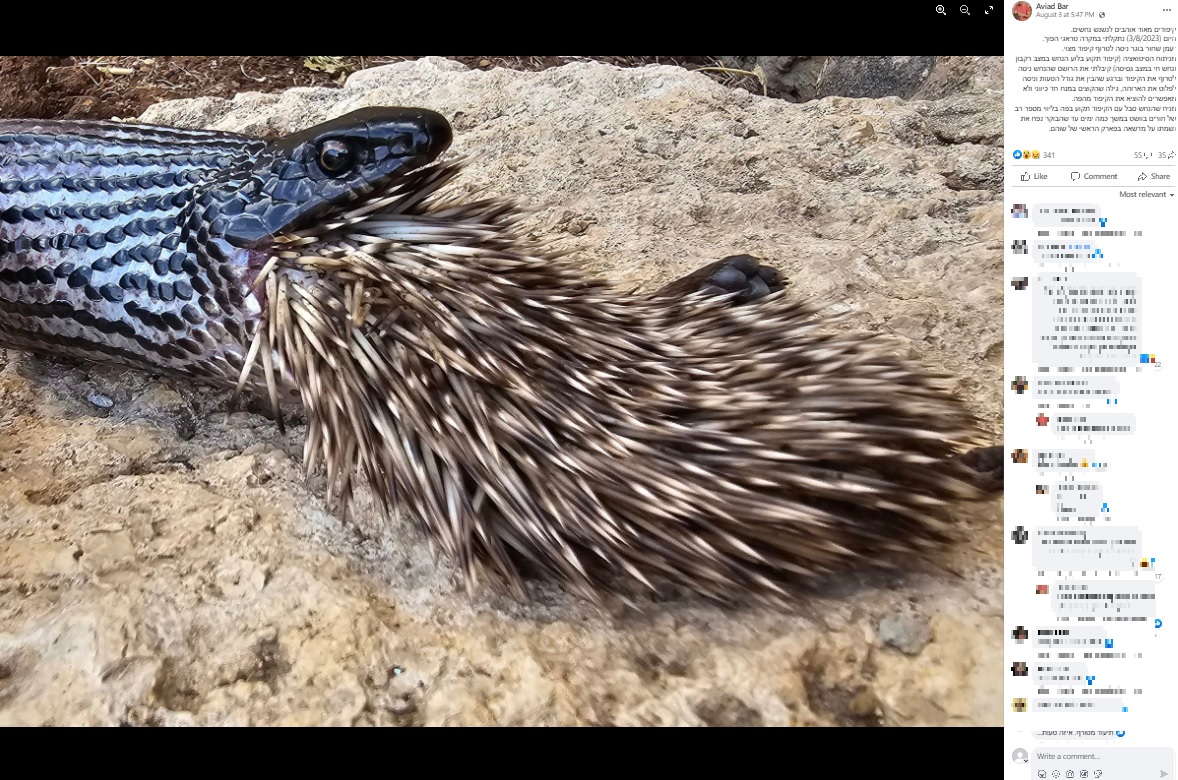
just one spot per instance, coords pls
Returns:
(714, 434)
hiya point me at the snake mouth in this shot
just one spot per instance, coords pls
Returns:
(403, 221)
(373, 208)
(413, 209)
(391, 212)
(309, 178)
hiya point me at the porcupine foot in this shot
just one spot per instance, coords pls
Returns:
(987, 462)
(744, 274)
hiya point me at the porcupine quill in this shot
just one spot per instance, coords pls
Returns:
(527, 413)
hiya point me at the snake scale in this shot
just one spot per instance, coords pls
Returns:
(140, 245)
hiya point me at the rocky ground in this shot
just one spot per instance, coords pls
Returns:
(164, 564)
(102, 87)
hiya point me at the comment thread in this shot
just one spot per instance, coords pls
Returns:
(1090, 240)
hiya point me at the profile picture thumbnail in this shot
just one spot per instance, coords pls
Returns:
(1021, 11)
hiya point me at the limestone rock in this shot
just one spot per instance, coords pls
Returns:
(800, 79)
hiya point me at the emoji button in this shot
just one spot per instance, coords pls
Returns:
(1035, 155)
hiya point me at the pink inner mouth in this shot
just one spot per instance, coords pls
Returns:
(252, 261)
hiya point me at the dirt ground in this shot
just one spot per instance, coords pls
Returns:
(105, 87)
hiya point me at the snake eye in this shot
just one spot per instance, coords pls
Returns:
(335, 158)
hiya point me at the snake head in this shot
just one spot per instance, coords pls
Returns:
(307, 176)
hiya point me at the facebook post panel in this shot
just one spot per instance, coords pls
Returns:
(1091, 321)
